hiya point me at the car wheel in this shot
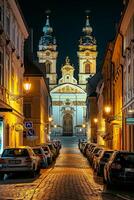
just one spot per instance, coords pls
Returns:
(33, 173)
(1, 176)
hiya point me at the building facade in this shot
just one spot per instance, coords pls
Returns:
(68, 104)
(68, 94)
(37, 105)
(127, 32)
(13, 32)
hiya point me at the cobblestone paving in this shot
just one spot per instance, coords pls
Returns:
(71, 178)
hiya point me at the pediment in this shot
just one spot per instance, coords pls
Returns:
(68, 88)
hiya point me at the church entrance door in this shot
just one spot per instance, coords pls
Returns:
(67, 125)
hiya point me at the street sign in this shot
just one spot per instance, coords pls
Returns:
(30, 132)
(28, 124)
(129, 120)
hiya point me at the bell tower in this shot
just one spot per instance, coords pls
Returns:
(87, 55)
(47, 54)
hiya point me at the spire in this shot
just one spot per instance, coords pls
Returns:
(87, 21)
(87, 29)
(47, 21)
(47, 29)
(67, 61)
(87, 38)
(47, 41)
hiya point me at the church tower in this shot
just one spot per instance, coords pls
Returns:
(47, 54)
(87, 55)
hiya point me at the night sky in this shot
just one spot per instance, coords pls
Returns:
(68, 18)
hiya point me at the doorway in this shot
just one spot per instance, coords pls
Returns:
(67, 125)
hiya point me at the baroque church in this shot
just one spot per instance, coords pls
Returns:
(68, 94)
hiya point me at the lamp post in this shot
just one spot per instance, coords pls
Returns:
(55, 126)
(27, 87)
(49, 128)
(84, 129)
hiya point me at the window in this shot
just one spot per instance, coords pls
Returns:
(8, 23)
(12, 79)
(27, 110)
(1, 67)
(47, 65)
(13, 31)
(1, 13)
(7, 72)
(87, 68)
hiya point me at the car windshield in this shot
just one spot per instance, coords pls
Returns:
(107, 154)
(96, 150)
(37, 151)
(15, 153)
(126, 159)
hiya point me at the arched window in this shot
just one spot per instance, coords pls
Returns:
(87, 68)
(48, 66)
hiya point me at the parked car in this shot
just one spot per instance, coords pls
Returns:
(53, 150)
(20, 159)
(89, 149)
(85, 148)
(95, 153)
(38, 150)
(82, 146)
(48, 153)
(101, 160)
(119, 168)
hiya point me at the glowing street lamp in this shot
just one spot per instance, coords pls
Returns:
(83, 125)
(95, 120)
(55, 126)
(50, 119)
(107, 109)
(27, 85)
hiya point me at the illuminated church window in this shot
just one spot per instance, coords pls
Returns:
(87, 68)
(48, 65)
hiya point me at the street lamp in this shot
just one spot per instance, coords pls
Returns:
(95, 120)
(49, 120)
(107, 109)
(27, 85)
(27, 88)
(55, 126)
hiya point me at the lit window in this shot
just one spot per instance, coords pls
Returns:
(27, 110)
(87, 68)
(1, 67)
(8, 23)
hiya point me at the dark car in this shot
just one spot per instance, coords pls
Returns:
(119, 168)
(101, 160)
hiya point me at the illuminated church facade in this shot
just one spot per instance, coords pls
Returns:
(68, 94)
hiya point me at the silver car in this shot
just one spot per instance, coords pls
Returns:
(20, 159)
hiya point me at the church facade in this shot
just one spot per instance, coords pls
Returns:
(68, 94)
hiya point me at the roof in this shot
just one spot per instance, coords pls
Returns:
(92, 83)
(32, 68)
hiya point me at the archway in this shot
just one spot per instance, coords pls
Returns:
(67, 125)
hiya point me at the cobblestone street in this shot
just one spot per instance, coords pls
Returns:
(70, 178)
